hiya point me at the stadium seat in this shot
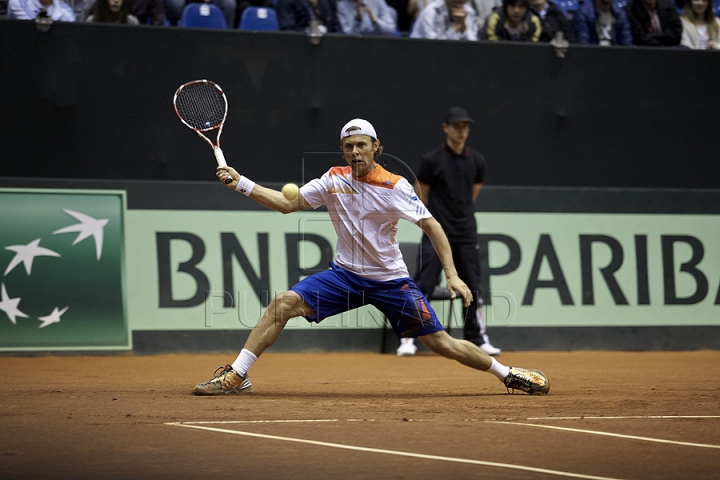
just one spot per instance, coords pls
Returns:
(716, 8)
(259, 18)
(567, 6)
(202, 15)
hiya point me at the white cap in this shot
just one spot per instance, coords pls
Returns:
(362, 127)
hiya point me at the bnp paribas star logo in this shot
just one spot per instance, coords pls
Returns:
(25, 254)
(62, 278)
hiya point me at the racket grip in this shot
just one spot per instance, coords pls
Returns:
(221, 162)
(220, 157)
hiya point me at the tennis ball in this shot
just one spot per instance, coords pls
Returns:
(290, 190)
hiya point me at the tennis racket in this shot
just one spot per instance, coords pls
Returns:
(202, 106)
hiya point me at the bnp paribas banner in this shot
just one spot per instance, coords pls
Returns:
(80, 271)
(61, 258)
(209, 269)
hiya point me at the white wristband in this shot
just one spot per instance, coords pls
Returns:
(245, 186)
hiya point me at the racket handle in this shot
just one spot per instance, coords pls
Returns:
(221, 162)
(220, 157)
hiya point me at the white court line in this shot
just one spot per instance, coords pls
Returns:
(259, 421)
(632, 417)
(594, 432)
(394, 452)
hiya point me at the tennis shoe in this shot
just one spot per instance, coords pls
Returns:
(490, 349)
(406, 349)
(228, 381)
(532, 382)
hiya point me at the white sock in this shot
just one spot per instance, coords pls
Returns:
(406, 341)
(498, 369)
(243, 362)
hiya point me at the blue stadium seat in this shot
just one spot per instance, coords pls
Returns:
(716, 8)
(259, 18)
(567, 6)
(202, 15)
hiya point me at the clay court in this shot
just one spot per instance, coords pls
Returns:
(619, 415)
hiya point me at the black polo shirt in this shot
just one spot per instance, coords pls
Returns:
(451, 178)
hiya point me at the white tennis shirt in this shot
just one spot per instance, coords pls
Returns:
(365, 213)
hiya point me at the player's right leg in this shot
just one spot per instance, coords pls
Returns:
(315, 297)
(233, 378)
(282, 308)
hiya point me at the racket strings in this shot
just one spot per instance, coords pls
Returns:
(201, 105)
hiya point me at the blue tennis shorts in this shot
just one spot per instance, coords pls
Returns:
(336, 290)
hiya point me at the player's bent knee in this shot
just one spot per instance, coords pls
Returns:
(440, 343)
(289, 305)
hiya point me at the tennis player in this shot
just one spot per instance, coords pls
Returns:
(365, 203)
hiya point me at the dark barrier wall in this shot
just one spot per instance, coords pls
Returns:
(94, 101)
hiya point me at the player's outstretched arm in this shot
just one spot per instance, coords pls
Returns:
(267, 197)
(440, 243)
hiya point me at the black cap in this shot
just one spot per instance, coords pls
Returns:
(456, 115)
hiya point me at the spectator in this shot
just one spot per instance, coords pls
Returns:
(448, 182)
(701, 28)
(148, 12)
(296, 14)
(404, 16)
(57, 10)
(366, 17)
(600, 22)
(446, 20)
(553, 20)
(483, 9)
(81, 9)
(111, 11)
(174, 10)
(514, 22)
(414, 7)
(654, 23)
